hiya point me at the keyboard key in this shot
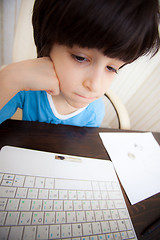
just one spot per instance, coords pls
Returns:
(58, 205)
(3, 202)
(66, 230)
(113, 226)
(101, 237)
(70, 184)
(4, 232)
(90, 216)
(105, 227)
(7, 192)
(114, 214)
(12, 218)
(38, 218)
(32, 193)
(86, 205)
(29, 181)
(80, 216)
(21, 193)
(81, 194)
(25, 218)
(121, 225)
(72, 194)
(99, 215)
(53, 194)
(39, 183)
(25, 205)
(29, 233)
(77, 205)
(71, 217)
(77, 230)
(16, 233)
(47, 205)
(8, 176)
(95, 205)
(49, 218)
(107, 215)
(49, 183)
(18, 181)
(109, 236)
(43, 194)
(2, 218)
(87, 228)
(60, 217)
(36, 205)
(68, 206)
(12, 204)
(54, 231)
(96, 228)
(63, 194)
(42, 232)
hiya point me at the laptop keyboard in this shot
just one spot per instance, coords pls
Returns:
(48, 208)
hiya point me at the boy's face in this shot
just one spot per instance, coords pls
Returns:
(84, 74)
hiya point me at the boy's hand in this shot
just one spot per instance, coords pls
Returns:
(37, 74)
(34, 74)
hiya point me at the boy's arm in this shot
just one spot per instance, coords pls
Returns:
(35, 74)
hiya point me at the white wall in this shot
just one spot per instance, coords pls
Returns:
(138, 84)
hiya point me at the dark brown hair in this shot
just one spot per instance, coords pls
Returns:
(123, 29)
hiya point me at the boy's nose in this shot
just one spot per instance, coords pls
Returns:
(93, 81)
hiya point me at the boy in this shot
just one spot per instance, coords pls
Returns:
(81, 45)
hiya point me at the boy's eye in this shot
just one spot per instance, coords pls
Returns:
(79, 58)
(111, 69)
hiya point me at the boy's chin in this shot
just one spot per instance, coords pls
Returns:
(78, 105)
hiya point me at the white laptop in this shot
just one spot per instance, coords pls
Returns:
(53, 196)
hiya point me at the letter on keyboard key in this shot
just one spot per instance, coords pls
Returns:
(15, 233)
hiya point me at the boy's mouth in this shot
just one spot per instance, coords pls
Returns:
(87, 98)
